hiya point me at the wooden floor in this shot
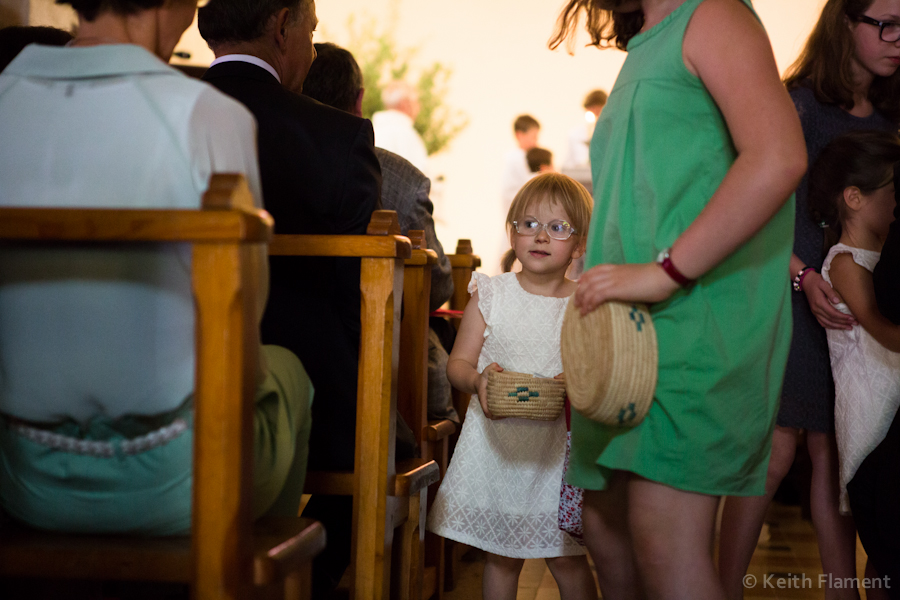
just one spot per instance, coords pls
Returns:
(785, 565)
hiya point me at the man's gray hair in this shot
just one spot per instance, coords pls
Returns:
(396, 92)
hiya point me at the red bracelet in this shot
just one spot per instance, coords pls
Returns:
(800, 276)
(665, 261)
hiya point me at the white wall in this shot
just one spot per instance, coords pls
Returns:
(501, 68)
(36, 12)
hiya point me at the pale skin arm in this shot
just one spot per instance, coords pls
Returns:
(821, 298)
(855, 285)
(729, 51)
(462, 368)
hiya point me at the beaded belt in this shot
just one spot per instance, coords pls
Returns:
(154, 439)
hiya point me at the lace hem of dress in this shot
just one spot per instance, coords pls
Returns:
(535, 535)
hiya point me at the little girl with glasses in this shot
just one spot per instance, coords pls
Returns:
(502, 489)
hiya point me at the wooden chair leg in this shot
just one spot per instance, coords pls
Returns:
(412, 549)
(434, 574)
(297, 585)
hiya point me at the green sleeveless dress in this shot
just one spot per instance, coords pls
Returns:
(659, 152)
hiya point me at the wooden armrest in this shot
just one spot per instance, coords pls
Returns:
(132, 225)
(464, 256)
(421, 254)
(439, 430)
(49, 555)
(464, 261)
(221, 220)
(413, 475)
(464, 246)
(382, 240)
(421, 257)
(282, 544)
(364, 246)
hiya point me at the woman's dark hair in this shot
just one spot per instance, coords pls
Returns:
(334, 78)
(826, 62)
(89, 9)
(607, 27)
(14, 39)
(229, 21)
(862, 159)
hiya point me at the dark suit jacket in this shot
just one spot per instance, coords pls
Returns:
(319, 176)
(887, 272)
(406, 189)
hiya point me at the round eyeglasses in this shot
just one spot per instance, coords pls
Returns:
(888, 30)
(557, 229)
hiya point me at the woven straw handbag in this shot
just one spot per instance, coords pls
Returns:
(511, 394)
(610, 358)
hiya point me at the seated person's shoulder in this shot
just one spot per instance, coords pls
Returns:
(193, 105)
(179, 93)
(394, 164)
(328, 118)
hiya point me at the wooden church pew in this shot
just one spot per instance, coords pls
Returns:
(384, 491)
(227, 555)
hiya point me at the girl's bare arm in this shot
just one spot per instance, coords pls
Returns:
(821, 298)
(462, 368)
(854, 283)
(727, 48)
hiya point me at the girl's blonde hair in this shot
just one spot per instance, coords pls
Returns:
(550, 188)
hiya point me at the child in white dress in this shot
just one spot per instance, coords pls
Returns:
(851, 190)
(502, 489)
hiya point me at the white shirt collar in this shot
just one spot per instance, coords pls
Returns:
(393, 116)
(248, 58)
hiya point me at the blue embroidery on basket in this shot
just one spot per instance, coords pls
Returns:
(627, 414)
(522, 394)
(637, 316)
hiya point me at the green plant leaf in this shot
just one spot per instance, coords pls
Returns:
(382, 60)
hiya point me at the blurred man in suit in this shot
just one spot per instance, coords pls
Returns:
(319, 175)
(335, 79)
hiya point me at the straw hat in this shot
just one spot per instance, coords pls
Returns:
(610, 359)
(511, 394)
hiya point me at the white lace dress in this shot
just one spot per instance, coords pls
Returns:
(866, 382)
(501, 491)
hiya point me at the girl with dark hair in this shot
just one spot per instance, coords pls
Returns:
(694, 160)
(97, 352)
(851, 190)
(846, 79)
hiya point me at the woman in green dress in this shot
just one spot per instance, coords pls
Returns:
(694, 161)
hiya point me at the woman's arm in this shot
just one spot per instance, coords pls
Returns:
(855, 285)
(462, 367)
(821, 298)
(727, 48)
